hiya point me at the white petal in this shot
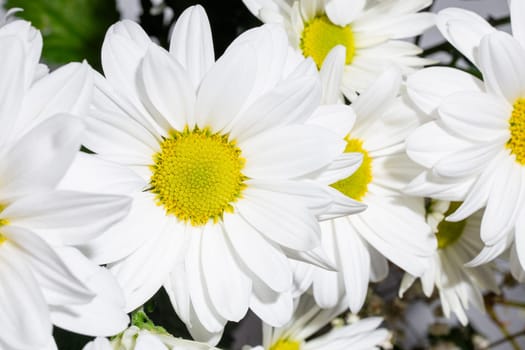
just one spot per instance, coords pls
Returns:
(332, 73)
(142, 273)
(228, 286)
(176, 285)
(431, 142)
(371, 104)
(517, 13)
(291, 101)
(398, 232)
(463, 29)
(338, 118)
(290, 151)
(128, 235)
(125, 44)
(11, 85)
(217, 106)
(261, 257)
(68, 89)
(98, 344)
(270, 51)
(501, 57)
(91, 173)
(205, 315)
(516, 267)
(44, 153)
(479, 192)
(68, 217)
(146, 341)
(104, 315)
(191, 43)
(428, 87)
(354, 262)
(25, 316)
(281, 218)
(273, 308)
(166, 86)
(343, 12)
(504, 204)
(429, 185)
(466, 162)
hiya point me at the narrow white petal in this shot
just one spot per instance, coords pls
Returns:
(332, 73)
(25, 317)
(517, 12)
(281, 218)
(338, 118)
(273, 308)
(428, 87)
(44, 153)
(68, 89)
(58, 283)
(261, 257)
(228, 286)
(68, 217)
(290, 151)
(463, 29)
(191, 43)
(166, 87)
(343, 12)
(354, 262)
(501, 57)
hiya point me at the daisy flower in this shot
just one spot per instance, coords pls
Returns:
(474, 149)
(43, 282)
(219, 161)
(393, 226)
(369, 30)
(135, 338)
(459, 287)
(308, 319)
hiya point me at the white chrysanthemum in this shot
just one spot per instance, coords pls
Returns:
(459, 287)
(219, 161)
(475, 149)
(135, 338)
(308, 319)
(393, 226)
(42, 281)
(369, 30)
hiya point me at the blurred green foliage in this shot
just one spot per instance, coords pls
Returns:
(73, 30)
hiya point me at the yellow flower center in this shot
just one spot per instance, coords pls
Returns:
(320, 36)
(356, 185)
(286, 344)
(3, 222)
(516, 143)
(197, 175)
(449, 232)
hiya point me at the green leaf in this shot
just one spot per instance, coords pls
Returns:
(73, 30)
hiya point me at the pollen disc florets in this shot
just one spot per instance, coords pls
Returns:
(197, 175)
(286, 344)
(320, 36)
(356, 185)
(516, 143)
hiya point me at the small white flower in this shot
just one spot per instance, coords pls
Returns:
(309, 319)
(42, 281)
(135, 338)
(393, 226)
(475, 149)
(220, 162)
(369, 30)
(459, 287)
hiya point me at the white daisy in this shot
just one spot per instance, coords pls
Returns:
(458, 242)
(218, 160)
(308, 319)
(135, 338)
(475, 149)
(370, 31)
(393, 226)
(38, 143)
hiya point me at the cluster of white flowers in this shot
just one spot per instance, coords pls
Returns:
(281, 178)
